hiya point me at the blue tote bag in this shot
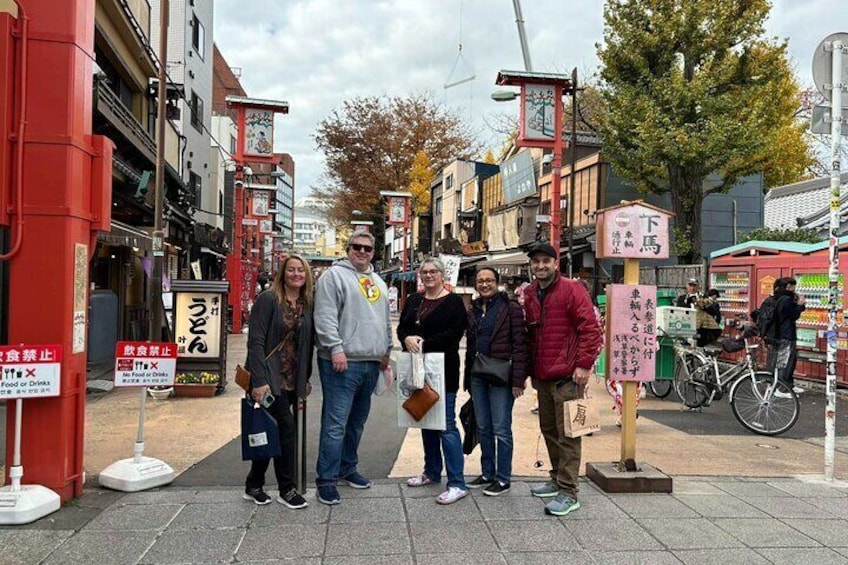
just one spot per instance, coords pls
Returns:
(260, 436)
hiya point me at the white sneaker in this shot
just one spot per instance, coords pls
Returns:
(798, 390)
(781, 394)
(451, 495)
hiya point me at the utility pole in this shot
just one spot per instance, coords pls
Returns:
(156, 309)
(572, 177)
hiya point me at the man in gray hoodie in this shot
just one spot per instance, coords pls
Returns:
(354, 339)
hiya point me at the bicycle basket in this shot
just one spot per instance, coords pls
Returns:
(732, 345)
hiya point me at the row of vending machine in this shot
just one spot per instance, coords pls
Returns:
(744, 275)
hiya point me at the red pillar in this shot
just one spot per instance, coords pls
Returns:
(66, 195)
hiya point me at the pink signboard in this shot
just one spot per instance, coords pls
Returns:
(633, 231)
(631, 343)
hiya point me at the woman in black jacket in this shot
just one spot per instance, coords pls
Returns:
(279, 357)
(430, 322)
(496, 330)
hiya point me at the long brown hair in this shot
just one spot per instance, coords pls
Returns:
(306, 291)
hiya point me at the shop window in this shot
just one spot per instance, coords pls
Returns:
(196, 111)
(194, 183)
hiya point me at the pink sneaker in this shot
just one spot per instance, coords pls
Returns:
(451, 495)
(419, 481)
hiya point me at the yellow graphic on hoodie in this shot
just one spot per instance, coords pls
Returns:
(370, 291)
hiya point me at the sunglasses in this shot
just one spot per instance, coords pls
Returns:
(361, 247)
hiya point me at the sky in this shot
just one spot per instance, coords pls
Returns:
(315, 54)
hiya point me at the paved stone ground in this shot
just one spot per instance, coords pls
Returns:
(707, 520)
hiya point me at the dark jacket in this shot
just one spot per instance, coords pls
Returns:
(787, 312)
(266, 331)
(441, 330)
(509, 340)
(563, 333)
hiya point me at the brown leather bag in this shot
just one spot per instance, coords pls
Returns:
(420, 402)
(243, 375)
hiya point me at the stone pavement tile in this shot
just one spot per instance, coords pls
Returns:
(697, 533)
(836, 507)
(103, 548)
(510, 507)
(224, 495)
(68, 517)
(282, 542)
(163, 496)
(830, 533)
(460, 559)
(719, 506)
(748, 489)
(596, 508)
(376, 491)
(652, 506)
(759, 532)
(299, 561)
(795, 555)
(277, 514)
(720, 557)
(135, 517)
(194, 546)
(426, 510)
(634, 558)
(25, 547)
(384, 538)
(585, 487)
(788, 508)
(368, 510)
(369, 560)
(624, 535)
(98, 498)
(230, 515)
(429, 491)
(803, 489)
(570, 556)
(456, 537)
(527, 536)
(683, 486)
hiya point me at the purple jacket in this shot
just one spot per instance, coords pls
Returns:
(509, 340)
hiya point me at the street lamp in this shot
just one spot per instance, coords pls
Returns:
(400, 213)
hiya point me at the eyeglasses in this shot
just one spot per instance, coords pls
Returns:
(361, 247)
(429, 272)
(486, 281)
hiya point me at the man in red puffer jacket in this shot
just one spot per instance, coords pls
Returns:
(564, 341)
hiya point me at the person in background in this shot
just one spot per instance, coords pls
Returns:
(279, 358)
(354, 335)
(495, 329)
(434, 321)
(787, 311)
(564, 340)
(691, 296)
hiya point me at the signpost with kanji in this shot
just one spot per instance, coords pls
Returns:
(631, 334)
(139, 363)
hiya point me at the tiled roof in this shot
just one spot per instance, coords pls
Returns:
(785, 205)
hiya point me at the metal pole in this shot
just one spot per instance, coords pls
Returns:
(522, 35)
(139, 439)
(556, 173)
(300, 424)
(155, 333)
(573, 175)
(833, 294)
(16, 472)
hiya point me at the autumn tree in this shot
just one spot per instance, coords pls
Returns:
(370, 145)
(421, 174)
(693, 88)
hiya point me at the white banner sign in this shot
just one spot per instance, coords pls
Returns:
(198, 327)
(451, 263)
(143, 363)
(30, 371)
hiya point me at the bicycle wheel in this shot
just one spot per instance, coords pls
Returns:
(692, 393)
(762, 406)
(660, 388)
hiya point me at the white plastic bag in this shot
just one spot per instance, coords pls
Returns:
(385, 381)
(410, 370)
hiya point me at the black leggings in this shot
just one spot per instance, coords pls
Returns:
(285, 463)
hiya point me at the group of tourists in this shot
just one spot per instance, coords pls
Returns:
(554, 339)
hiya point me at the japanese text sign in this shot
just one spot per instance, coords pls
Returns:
(30, 371)
(632, 342)
(632, 231)
(518, 177)
(538, 105)
(259, 132)
(144, 363)
(198, 324)
(397, 210)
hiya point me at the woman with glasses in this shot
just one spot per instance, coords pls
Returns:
(434, 321)
(495, 330)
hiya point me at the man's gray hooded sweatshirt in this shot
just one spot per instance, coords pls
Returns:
(352, 313)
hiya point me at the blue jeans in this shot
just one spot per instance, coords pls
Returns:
(493, 412)
(344, 410)
(449, 442)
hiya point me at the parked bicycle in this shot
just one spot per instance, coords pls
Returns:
(760, 402)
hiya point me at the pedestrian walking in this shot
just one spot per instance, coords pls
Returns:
(495, 330)
(788, 308)
(434, 321)
(564, 339)
(279, 358)
(354, 338)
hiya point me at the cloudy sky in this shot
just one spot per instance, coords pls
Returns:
(315, 54)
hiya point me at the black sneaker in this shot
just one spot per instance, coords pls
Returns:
(257, 495)
(292, 499)
(480, 481)
(496, 488)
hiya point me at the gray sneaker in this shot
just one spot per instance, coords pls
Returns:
(561, 505)
(545, 490)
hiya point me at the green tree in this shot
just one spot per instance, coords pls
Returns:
(800, 235)
(370, 144)
(693, 88)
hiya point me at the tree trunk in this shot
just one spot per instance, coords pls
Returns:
(687, 198)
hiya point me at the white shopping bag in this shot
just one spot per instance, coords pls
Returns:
(432, 369)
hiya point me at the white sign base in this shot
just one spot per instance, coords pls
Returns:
(27, 504)
(138, 473)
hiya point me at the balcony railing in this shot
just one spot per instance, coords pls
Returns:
(114, 111)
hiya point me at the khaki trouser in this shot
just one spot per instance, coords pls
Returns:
(564, 452)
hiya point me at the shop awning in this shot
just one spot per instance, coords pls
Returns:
(506, 258)
(124, 235)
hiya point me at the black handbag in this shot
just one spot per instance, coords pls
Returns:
(496, 371)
